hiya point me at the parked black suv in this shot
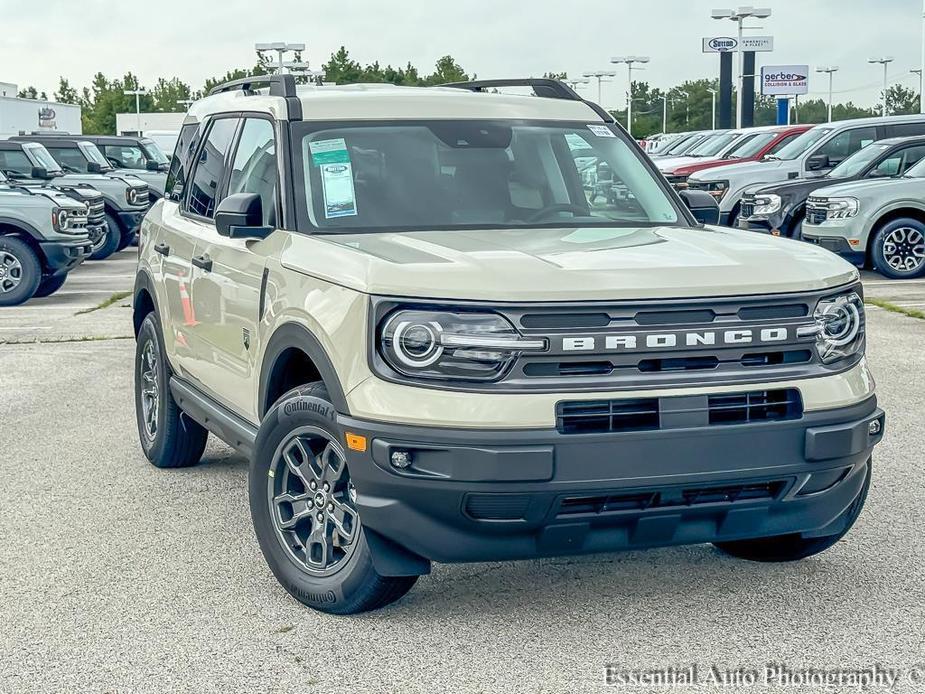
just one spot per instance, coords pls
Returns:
(779, 208)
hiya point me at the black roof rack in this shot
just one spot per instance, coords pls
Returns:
(280, 85)
(545, 87)
(542, 86)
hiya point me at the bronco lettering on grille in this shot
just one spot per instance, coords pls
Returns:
(674, 339)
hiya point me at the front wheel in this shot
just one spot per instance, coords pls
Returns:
(899, 249)
(50, 285)
(303, 504)
(107, 242)
(20, 272)
(783, 548)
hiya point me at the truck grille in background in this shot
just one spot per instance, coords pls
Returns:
(671, 498)
(143, 196)
(678, 182)
(816, 210)
(747, 207)
(96, 212)
(645, 414)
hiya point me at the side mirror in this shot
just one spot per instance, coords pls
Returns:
(240, 216)
(94, 167)
(40, 172)
(702, 205)
(152, 166)
(817, 162)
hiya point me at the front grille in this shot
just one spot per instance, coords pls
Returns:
(747, 207)
(96, 212)
(646, 414)
(816, 210)
(667, 498)
(678, 182)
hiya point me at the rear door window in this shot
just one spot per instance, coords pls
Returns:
(847, 142)
(210, 168)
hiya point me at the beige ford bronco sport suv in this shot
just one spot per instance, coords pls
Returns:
(436, 342)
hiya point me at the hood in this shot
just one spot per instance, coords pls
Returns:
(749, 169)
(668, 164)
(701, 164)
(798, 187)
(604, 264)
(156, 180)
(867, 188)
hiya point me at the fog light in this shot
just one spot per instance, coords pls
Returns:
(873, 428)
(401, 459)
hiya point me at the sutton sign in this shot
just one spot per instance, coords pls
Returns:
(726, 44)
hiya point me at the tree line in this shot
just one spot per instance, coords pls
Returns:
(689, 103)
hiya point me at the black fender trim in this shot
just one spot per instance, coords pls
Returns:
(25, 227)
(230, 428)
(143, 281)
(293, 335)
(391, 559)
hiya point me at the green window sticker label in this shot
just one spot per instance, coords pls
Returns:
(329, 151)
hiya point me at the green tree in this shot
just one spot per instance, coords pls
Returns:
(901, 100)
(446, 70)
(168, 93)
(66, 94)
(342, 69)
(29, 92)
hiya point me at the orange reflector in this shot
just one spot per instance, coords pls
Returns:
(775, 232)
(854, 242)
(355, 442)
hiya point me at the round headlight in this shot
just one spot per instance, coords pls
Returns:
(132, 196)
(840, 323)
(63, 220)
(417, 344)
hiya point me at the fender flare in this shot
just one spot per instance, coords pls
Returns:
(143, 281)
(25, 227)
(294, 335)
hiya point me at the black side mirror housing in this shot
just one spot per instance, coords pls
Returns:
(152, 166)
(817, 162)
(94, 167)
(40, 172)
(702, 205)
(240, 216)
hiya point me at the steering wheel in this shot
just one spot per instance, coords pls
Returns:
(576, 210)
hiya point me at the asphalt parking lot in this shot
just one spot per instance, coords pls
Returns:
(119, 577)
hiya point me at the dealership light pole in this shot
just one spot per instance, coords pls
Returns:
(738, 16)
(922, 66)
(664, 98)
(630, 60)
(600, 75)
(280, 48)
(137, 94)
(713, 93)
(885, 61)
(576, 81)
(831, 70)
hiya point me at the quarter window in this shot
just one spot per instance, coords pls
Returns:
(180, 164)
(847, 143)
(210, 168)
(254, 167)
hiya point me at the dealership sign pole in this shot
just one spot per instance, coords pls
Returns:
(725, 46)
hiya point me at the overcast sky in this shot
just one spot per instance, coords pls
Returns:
(196, 39)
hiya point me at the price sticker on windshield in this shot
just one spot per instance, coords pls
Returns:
(601, 130)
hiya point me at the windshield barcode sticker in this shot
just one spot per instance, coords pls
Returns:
(601, 130)
(329, 151)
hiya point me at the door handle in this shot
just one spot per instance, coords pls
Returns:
(162, 248)
(203, 261)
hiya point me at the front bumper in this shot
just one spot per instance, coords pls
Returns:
(477, 495)
(64, 256)
(839, 245)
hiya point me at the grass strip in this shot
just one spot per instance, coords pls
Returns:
(895, 308)
(118, 296)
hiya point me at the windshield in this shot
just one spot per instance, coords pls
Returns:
(802, 143)
(473, 174)
(714, 144)
(92, 153)
(858, 161)
(40, 157)
(688, 145)
(153, 152)
(750, 147)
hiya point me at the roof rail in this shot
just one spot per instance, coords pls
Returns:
(545, 87)
(280, 85)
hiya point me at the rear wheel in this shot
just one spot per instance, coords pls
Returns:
(168, 437)
(781, 548)
(20, 272)
(50, 285)
(898, 249)
(303, 504)
(107, 242)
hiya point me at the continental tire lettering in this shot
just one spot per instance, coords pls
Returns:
(314, 406)
(320, 598)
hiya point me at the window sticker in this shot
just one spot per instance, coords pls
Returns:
(329, 151)
(601, 130)
(337, 186)
(576, 141)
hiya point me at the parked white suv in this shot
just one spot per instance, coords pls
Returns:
(814, 153)
(437, 343)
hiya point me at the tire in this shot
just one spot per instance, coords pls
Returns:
(328, 576)
(898, 249)
(123, 238)
(20, 272)
(784, 548)
(168, 437)
(50, 285)
(109, 243)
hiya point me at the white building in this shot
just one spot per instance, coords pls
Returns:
(33, 115)
(140, 124)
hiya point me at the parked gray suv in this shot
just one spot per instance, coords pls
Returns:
(43, 236)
